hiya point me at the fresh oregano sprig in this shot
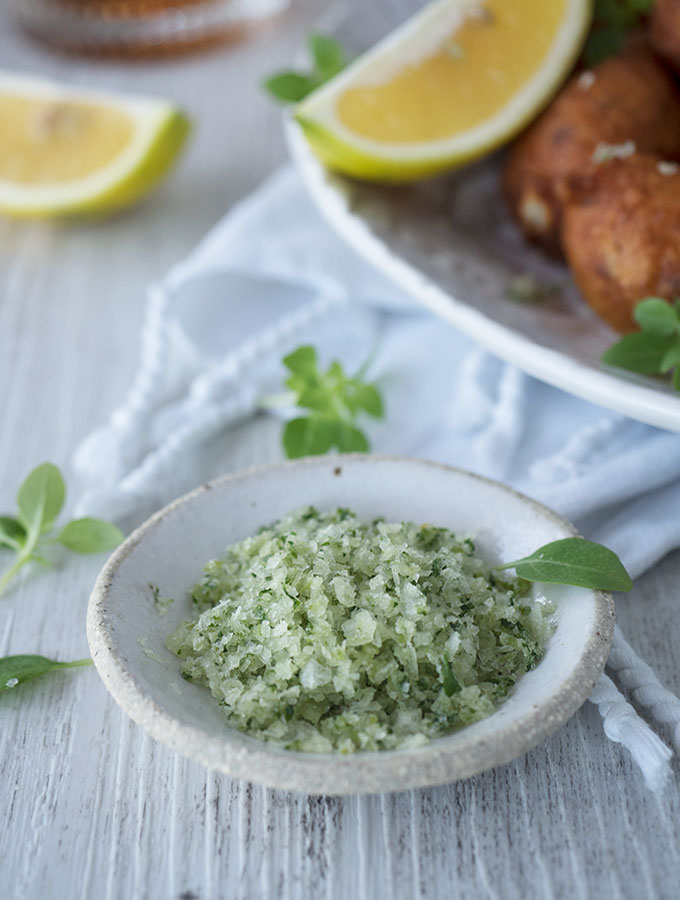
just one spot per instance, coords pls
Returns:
(573, 561)
(15, 670)
(39, 501)
(655, 349)
(290, 86)
(613, 21)
(333, 403)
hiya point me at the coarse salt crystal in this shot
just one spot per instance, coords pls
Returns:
(586, 80)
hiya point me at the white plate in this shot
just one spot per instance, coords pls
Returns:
(127, 635)
(450, 244)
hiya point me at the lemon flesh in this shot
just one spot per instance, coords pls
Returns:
(457, 80)
(69, 151)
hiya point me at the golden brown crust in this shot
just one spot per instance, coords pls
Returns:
(664, 30)
(622, 238)
(629, 97)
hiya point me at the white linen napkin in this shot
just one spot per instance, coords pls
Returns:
(271, 276)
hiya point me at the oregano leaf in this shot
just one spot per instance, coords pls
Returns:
(316, 398)
(12, 533)
(613, 21)
(327, 54)
(290, 87)
(41, 498)
(301, 361)
(574, 561)
(350, 439)
(328, 58)
(671, 358)
(450, 683)
(334, 402)
(308, 436)
(657, 316)
(368, 398)
(641, 352)
(90, 535)
(15, 670)
(603, 42)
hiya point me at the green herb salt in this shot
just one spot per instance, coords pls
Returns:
(323, 632)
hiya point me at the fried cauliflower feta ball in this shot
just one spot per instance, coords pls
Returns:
(627, 100)
(664, 30)
(622, 237)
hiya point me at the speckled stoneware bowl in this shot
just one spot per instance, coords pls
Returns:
(127, 634)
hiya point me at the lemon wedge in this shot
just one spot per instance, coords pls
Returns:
(455, 81)
(71, 151)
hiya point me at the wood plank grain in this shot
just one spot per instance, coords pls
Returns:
(93, 808)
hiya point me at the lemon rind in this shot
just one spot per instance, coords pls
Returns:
(159, 131)
(344, 151)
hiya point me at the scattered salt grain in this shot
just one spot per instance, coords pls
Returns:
(667, 168)
(605, 152)
(586, 80)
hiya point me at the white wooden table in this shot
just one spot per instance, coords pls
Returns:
(90, 807)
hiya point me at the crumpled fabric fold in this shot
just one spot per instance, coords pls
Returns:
(272, 276)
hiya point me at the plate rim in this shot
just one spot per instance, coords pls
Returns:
(592, 384)
(311, 773)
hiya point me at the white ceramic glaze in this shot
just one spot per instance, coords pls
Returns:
(127, 634)
(449, 243)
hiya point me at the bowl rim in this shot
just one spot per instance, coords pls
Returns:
(334, 774)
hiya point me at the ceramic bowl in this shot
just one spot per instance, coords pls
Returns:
(127, 634)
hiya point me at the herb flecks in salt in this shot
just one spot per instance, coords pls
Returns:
(323, 632)
(162, 604)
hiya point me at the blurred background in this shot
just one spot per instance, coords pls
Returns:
(143, 27)
(208, 58)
